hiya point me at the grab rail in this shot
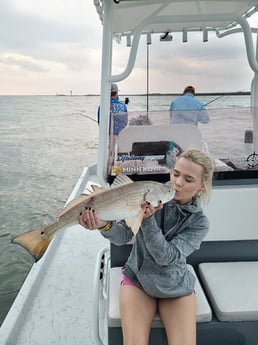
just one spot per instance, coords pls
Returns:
(100, 287)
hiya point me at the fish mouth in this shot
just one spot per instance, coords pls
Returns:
(175, 189)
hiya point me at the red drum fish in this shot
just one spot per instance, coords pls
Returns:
(125, 199)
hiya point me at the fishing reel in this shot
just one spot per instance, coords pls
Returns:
(252, 160)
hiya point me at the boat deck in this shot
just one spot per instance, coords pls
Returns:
(52, 305)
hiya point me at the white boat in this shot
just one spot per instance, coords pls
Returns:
(51, 307)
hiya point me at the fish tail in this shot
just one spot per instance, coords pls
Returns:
(36, 241)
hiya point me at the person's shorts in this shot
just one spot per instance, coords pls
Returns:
(127, 281)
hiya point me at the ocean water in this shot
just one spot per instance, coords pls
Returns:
(46, 141)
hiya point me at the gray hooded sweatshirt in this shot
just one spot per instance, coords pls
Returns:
(157, 263)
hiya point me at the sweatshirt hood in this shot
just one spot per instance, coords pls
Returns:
(192, 207)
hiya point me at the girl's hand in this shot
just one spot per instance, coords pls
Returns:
(150, 210)
(90, 220)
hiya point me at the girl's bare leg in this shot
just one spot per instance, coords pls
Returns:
(137, 312)
(179, 318)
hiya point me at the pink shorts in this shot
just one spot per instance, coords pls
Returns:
(126, 281)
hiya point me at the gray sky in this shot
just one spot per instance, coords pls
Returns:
(54, 46)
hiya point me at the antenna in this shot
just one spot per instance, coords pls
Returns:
(148, 42)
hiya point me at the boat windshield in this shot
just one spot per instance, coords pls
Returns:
(150, 142)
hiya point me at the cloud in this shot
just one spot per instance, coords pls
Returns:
(22, 62)
(33, 27)
(55, 45)
(55, 40)
(53, 32)
(175, 64)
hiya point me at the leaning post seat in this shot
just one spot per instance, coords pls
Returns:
(114, 320)
(236, 299)
(226, 268)
(118, 257)
(184, 135)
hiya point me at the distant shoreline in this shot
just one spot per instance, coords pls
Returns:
(232, 93)
(237, 93)
(229, 93)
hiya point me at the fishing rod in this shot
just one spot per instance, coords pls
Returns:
(213, 100)
(88, 117)
(147, 78)
(148, 43)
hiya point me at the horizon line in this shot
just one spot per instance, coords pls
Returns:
(138, 94)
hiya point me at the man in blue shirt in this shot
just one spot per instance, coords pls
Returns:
(186, 109)
(118, 111)
(118, 121)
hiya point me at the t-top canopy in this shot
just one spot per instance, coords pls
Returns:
(187, 15)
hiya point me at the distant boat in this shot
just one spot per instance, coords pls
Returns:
(62, 94)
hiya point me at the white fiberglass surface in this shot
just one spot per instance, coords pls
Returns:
(128, 14)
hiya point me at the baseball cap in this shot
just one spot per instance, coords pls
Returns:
(114, 88)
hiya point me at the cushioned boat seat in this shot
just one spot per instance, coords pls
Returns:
(176, 133)
(203, 309)
(232, 289)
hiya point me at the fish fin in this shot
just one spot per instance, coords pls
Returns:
(36, 241)
(72, 204)
(121, 180)
(93, 188)
(96, 188)
(135, 222)
(87, 191)
(82, 198)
